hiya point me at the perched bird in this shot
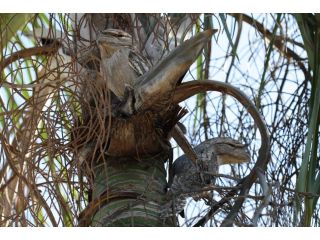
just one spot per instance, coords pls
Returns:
(121, 63)
(136, 84)
(132, 78)
(189, 179)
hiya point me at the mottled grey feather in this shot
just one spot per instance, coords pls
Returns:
(189, 178)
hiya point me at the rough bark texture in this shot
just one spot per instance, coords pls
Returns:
(128, 149)
(130, 183)
(134, 192)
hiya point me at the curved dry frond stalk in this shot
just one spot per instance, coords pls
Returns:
(19, 181)
(29, 132)
(266, 198)
(29, 52)
(161, 79)
(52, 167)
(186, 90)
(25, 143)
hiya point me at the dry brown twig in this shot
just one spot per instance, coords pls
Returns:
(190, 88)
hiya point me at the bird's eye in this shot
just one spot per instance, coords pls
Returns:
(117, 35)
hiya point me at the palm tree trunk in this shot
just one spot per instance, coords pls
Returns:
(130, 183)
(131, 192)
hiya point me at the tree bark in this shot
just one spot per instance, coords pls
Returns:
(130, 182)
(130, 192)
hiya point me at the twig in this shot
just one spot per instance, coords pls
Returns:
(267, 195)
(278, 40)
(191, 88)
(26, 53)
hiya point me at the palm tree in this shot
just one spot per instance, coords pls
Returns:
(81, 147)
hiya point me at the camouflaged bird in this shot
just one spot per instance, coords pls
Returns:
(121, 62)
(189, 179)
(131, 77)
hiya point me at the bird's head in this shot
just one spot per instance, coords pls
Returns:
(231, 151)
(110, 40)
(223, 150)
